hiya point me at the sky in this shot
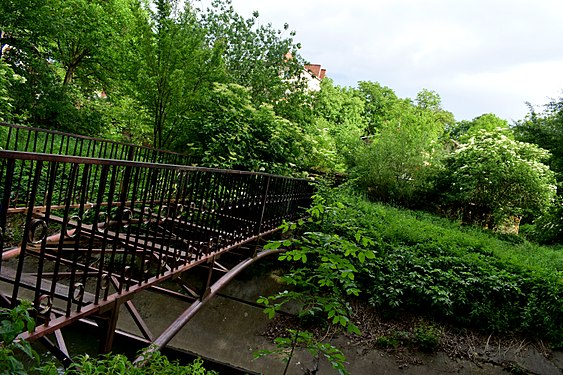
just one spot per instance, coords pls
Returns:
(480, 56)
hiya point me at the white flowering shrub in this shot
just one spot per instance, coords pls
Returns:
(491, 178)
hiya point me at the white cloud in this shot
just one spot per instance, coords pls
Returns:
(480, 56)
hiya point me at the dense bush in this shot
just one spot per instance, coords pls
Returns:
(397, 163)
(437, 268)
(491, 178)
(548, 227)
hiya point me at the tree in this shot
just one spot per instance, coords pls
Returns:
(378, 103)
(68, 52)
(492, 178)
(489, 122)
(398, 162)
(430, 100)
(337, 127)
(545, 129)
(256, 55)
(227, 131)
(7, 79)
(173, 67)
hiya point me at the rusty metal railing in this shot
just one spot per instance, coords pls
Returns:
(79, 234)
(30, 139)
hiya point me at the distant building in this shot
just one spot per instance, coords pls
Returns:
(314, 74)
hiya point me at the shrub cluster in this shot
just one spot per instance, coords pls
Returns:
(436, 268)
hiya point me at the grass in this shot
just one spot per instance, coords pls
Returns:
(404, 227)
(441, 269)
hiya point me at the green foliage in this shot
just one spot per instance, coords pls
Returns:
(55, 46)
(398, 163)
(434, 267)
(545, 129)
(7, 79)
(337, 127)
(489, 122)
(153, 363)
(424, 337)
(17, 320)
(12, 323)
(427, 337)
(256, 55)
(491, 178)
(548, 226)
(172, 67)
(285, 347)
(379, 103)
(227, 131)
(323, 273)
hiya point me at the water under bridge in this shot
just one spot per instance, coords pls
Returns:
(86, 224)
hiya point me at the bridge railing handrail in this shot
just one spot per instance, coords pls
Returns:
(26, 138)
(24, 155)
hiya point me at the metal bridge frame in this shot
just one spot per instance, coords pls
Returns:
(81, 236)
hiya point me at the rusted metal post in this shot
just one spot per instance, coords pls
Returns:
(107, 322)
(263, 210)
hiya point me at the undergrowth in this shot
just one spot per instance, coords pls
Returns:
(400, 260)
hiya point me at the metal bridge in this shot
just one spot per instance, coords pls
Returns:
(87, 223)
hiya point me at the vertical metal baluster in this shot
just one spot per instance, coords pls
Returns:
(20, 179)
(161, 221)
(242, 205)
(114, 243)
(52, 147)
(51, 176)
(7, 179)
(17, 140)
(27, 140)
(8, 139)
(144, 183)
(213, 221)
(45, 143)
(100, 198)
(176, 229)
(79, 297)
(81, 148)
(68, 201)
(67, 146)
(238, 222)
(123, 198)
(27, 229)
(168, 220)
(148, 252)
(264, 203)
(128, 247)
(193, 178)
(210, 188)
(200, 221)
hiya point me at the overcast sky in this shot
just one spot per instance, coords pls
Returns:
(481, 56)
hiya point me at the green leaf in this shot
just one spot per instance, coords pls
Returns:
(369, 254)
(273, 245)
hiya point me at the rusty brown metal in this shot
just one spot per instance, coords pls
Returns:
(173, 329)
(81, 235)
